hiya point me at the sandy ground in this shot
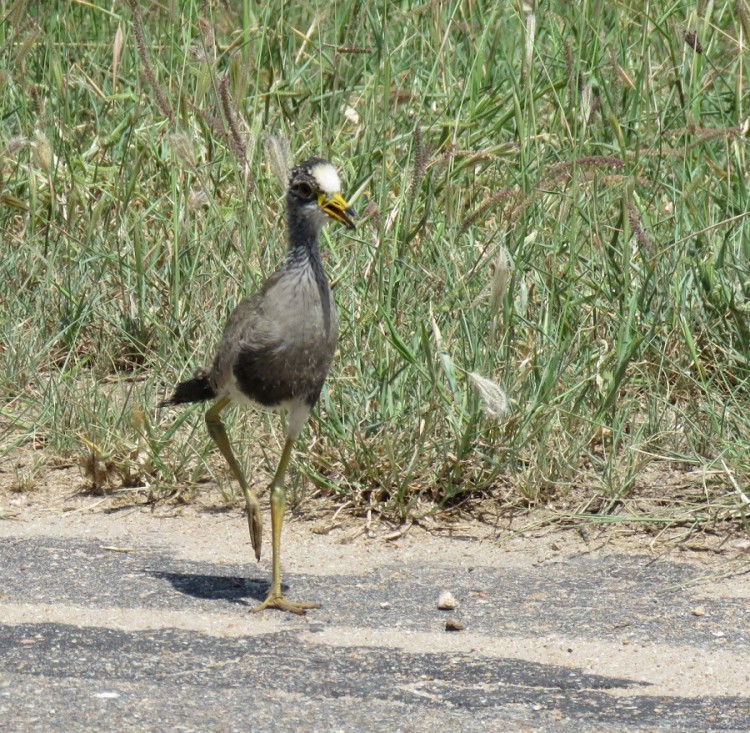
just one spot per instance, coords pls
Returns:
(652, 619)
(221, 539)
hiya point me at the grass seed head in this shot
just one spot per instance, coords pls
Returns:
(494, 399)
(278, 157)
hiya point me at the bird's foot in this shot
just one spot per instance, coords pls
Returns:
(277, 601)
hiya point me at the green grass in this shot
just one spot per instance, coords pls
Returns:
(555, 202)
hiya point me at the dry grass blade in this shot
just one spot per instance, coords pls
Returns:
(500, 280)
(530, 41)
(117, 47)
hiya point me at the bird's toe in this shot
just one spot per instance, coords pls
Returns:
(283, 604)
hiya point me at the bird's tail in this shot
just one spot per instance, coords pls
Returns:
(197, 389)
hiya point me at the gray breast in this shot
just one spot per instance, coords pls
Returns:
(278, 344)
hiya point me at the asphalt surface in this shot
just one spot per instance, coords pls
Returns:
(139, 636)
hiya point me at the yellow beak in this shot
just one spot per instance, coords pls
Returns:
(337, 208)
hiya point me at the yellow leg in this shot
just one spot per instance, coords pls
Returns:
(275, 598)
(219, 434)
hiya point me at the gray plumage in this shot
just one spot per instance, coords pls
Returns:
(278, 344)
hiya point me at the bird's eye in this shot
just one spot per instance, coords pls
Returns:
(304, 190)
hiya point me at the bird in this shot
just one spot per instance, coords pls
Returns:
(276, 349)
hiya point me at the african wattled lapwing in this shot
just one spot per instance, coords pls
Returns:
(277, 347)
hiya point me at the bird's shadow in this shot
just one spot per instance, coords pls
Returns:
(232, 589)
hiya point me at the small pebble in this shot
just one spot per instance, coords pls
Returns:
(385, 606)
(446, 602)
(699, 611)
(452, 625)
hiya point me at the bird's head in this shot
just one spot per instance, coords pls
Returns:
(315, 190)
